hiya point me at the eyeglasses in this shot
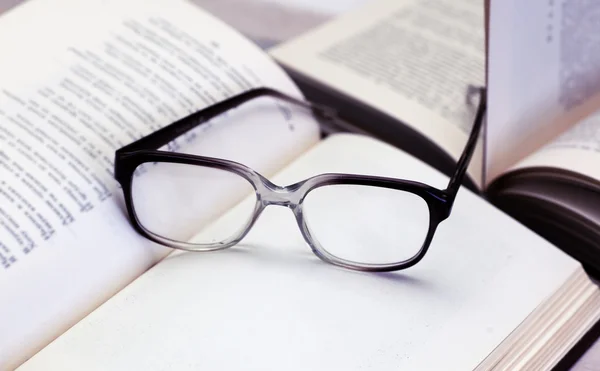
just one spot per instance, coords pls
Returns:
(176, 187)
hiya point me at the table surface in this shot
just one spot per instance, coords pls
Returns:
(269, 22)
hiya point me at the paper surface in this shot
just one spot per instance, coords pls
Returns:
(543, 79)
(269, 303)
(68, 101)
(577, 150)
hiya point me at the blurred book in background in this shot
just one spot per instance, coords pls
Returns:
(270, 22)
(266, 22)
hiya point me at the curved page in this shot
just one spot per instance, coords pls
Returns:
(79, 80)
(578, 150)
(269, 303)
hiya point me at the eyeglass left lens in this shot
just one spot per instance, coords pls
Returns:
(175, 201)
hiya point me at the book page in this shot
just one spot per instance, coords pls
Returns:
(543, 78)
(578, 150)
(270, 303)
(89, 78)
(412, 60)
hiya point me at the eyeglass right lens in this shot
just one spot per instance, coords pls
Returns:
(365, 224)
(175, 201)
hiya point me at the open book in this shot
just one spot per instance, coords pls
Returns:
(399, 70)
(82, 290)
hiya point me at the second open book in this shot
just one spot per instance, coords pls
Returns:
(84, 291)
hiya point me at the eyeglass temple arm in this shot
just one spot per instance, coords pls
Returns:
(465, 158)
(170, 132)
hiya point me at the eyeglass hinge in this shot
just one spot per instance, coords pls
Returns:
(325, 112)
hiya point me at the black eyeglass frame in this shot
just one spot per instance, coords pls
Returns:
(145, 150)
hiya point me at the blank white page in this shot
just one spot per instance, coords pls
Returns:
(270, 304)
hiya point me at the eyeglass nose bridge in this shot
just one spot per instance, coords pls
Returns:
(272, 194)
